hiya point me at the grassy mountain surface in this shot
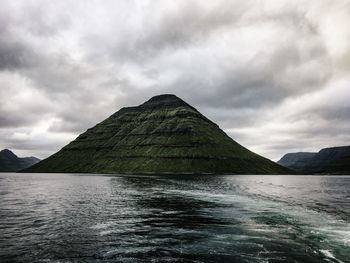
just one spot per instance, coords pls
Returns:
(9, 162)
(162, 135)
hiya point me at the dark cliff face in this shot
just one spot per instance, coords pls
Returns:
(162, 135)
(335, 160)
(9, 162)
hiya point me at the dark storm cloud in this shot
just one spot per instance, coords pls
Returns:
(14, 53)
(19, 25)
(12, 120)
(250, 66)
(341, 113)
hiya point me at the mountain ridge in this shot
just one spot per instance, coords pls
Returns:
(10, 162)
(330, 160)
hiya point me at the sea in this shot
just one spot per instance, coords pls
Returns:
(66, 218)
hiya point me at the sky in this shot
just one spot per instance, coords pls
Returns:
(274, 75)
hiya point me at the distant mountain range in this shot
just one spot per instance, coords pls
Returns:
(334, 160)
(9, 162)
(164, 135)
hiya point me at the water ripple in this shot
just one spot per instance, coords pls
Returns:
(84, 218)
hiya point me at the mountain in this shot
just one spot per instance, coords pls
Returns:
(162, 135)
(296, 161)
(9, 162)
(334, 160)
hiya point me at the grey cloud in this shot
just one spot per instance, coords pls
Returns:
(13, 120)
(190, 22)
(341, 113)
(297, 65)
(14, 54)
(32, 144)
(19, 25)
(164, 28)
(255, 84)
(332, 114)
(88, 60)
(38, 145)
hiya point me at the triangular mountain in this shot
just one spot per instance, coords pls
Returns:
(162, 135)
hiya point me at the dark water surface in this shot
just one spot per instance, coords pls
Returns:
(84, 218)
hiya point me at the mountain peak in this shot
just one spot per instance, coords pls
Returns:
(164, 99)
(7, 152)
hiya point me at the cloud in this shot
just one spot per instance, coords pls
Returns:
(272, 74)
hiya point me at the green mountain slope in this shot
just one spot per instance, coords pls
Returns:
(163, 135)
(9, 162)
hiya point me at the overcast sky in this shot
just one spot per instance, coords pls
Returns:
(275, 75)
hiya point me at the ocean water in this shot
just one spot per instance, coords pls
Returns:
(102, 218)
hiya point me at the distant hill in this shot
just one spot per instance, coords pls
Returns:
(9, 162)
(296, 161)
(334, 160)
(161, 136)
